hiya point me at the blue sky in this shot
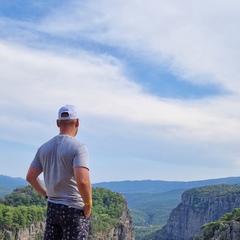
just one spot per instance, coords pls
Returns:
(156, 84)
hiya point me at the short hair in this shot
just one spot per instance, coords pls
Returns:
(69, 122)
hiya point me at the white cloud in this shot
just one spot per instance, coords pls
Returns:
(195, 41)
(41, 82)
(198, 41)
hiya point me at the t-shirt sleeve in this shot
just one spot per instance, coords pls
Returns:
(36, 162)
(81, 158)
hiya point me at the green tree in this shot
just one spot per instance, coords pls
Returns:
(25, 206)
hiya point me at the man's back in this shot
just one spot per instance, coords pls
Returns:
(56, 158)
(64, 163)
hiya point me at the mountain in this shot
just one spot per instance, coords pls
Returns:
(141, 195)
(136, 186)
(8, 184)
(199, 206)
(159, 186)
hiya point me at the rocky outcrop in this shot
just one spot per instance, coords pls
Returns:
(123, 230)
(34, 231)
(227, 227)
(226, 231)
(199, 206)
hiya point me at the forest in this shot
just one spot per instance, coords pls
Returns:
(25, 206)
(141, 196)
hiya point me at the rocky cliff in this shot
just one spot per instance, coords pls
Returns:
(226, 231)
(34, 231)
(227, 227)
(123, 229)
(199, 206)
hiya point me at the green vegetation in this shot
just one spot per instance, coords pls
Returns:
(213, 190)
(107, 207)
(21, 208)
(150, 202)
(210, 228)
(3, 191)
(201, 195)
(7, 184)
(234, 215)
(25, 206)
(24, 196)
(150, 211)
(158, 186)
(144, 233)
(20, 217)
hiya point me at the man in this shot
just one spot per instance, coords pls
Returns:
(64, 163)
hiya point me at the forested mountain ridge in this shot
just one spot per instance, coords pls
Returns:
(163, 195)
(159, 186)
(8, 184)
(141, 195)
(199, 206)
(24, 209)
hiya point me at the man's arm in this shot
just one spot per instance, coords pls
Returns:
(82, 178)
(33, 179)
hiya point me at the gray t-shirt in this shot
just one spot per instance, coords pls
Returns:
(57, 159)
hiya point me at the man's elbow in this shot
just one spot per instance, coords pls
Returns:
(29, 178)
(84, 182)
(32, 174)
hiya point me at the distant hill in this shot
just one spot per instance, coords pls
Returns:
(140, 195)
(143, 212)
(159, 186)
(8, 184)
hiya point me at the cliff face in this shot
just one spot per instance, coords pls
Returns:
(226, 231)
(123, 230)
(35, 231)
(227, 227)
(199, 206)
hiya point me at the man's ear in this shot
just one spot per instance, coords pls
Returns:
(57, 122)
(77, 123)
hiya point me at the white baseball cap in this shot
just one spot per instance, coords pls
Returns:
(67, 112)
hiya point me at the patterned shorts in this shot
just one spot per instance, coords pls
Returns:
(65, 223)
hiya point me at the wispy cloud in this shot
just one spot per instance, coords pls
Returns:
(66, 56)
(198, 42)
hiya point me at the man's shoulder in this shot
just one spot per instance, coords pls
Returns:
(49, 142)
(78, 143)
(73, 141)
